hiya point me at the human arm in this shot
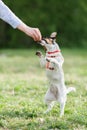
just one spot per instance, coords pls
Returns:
(8, 16)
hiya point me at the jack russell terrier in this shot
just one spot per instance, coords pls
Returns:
(53, 61)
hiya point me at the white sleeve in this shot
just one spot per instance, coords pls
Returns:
(8, 16)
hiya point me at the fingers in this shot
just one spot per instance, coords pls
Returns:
(32, 32)
(36, 34)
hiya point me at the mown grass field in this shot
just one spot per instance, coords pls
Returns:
(23, 85)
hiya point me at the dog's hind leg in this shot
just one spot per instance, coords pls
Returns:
(62, 105)
(50, 106)
(49, 100)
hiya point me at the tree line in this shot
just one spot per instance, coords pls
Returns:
(68, 18)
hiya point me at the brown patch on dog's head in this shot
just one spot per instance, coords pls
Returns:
(48, 40)
(51, 39)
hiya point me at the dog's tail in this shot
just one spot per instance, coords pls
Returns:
(70, 89)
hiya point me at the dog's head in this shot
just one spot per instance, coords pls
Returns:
(48, 42)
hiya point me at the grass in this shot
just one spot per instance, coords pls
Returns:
(23, 85)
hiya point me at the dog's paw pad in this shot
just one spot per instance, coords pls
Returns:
(39, 53)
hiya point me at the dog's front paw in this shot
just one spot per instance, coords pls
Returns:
(39, 53)
(47, 59)
(52, 60)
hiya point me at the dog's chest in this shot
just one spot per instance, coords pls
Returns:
(52, 75)
(52, 50)
(51, 72)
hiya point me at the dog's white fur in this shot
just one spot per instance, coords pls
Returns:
(57, 89)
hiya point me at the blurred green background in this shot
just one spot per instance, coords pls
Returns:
(67, 17)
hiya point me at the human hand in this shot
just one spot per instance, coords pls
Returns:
(32, 32)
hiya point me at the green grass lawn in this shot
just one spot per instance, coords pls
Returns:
(23, 85)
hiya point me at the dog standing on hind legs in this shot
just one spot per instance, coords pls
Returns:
(53, 61)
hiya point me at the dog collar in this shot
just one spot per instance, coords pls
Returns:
(52, 56)
(53, 52)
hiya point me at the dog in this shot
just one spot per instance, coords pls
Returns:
(53, 62)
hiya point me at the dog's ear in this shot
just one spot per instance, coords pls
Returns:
(53, 35)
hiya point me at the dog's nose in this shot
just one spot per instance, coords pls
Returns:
(39, 42)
